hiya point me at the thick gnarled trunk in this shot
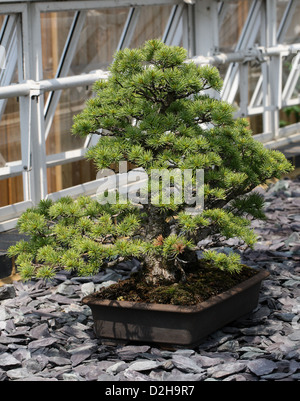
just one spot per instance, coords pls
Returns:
(158, 269)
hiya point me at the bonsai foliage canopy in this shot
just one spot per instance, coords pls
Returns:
(155, 112)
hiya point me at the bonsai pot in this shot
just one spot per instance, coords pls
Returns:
(173, 324)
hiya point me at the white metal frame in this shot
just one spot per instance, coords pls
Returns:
(195, 25)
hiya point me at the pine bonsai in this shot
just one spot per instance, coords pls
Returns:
(154, 112)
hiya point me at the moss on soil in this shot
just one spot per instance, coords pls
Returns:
(202, 283)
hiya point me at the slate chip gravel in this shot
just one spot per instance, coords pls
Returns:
(46, 334)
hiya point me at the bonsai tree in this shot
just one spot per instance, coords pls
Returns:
(155, 112)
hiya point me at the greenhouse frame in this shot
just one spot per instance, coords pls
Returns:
(52, 52)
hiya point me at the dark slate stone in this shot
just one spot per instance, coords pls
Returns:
(8, 361)
(39, 331)
(226, 369)
(206, 361)
(11, 340)
(59, 361)
(262, 366)
(130, 352)
(186, 364)
(2, 375)
(7, 291)
(144, 365)
(60, 299)
(43, 342)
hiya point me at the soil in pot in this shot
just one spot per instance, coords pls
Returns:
(202, 282)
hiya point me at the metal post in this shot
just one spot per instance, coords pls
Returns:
(244, 89)
(271, 69)
(32, 54)
(206, 27)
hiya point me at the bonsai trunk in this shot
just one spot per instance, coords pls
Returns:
(157, 269)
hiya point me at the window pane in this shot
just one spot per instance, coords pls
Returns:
(99, 40)
(71, 102)
(11, 191)
(10, 137)
(232, 24)
(151, 24)
(69, 175)
(293, 31)
(55, 29)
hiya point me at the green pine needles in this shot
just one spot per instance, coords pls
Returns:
(154, 112)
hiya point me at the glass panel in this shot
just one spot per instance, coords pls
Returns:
(254, 77)
(3, 49)
(290, 63)
(55, 29)
(2, 18)
(97, 44)
(70, 174)
(102, 31)
(151, 24)
(293, 32)
(256, 124)
(290, 114)
(71, 102)
(281, 7)
(11, 191)
(232, 24)
(296, 92)
(254, 73)
(287, 65)
(10, 137)
(99, 39)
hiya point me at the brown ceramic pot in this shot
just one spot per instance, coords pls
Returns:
(172, 324)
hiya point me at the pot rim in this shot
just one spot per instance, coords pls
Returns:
(91, 300)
